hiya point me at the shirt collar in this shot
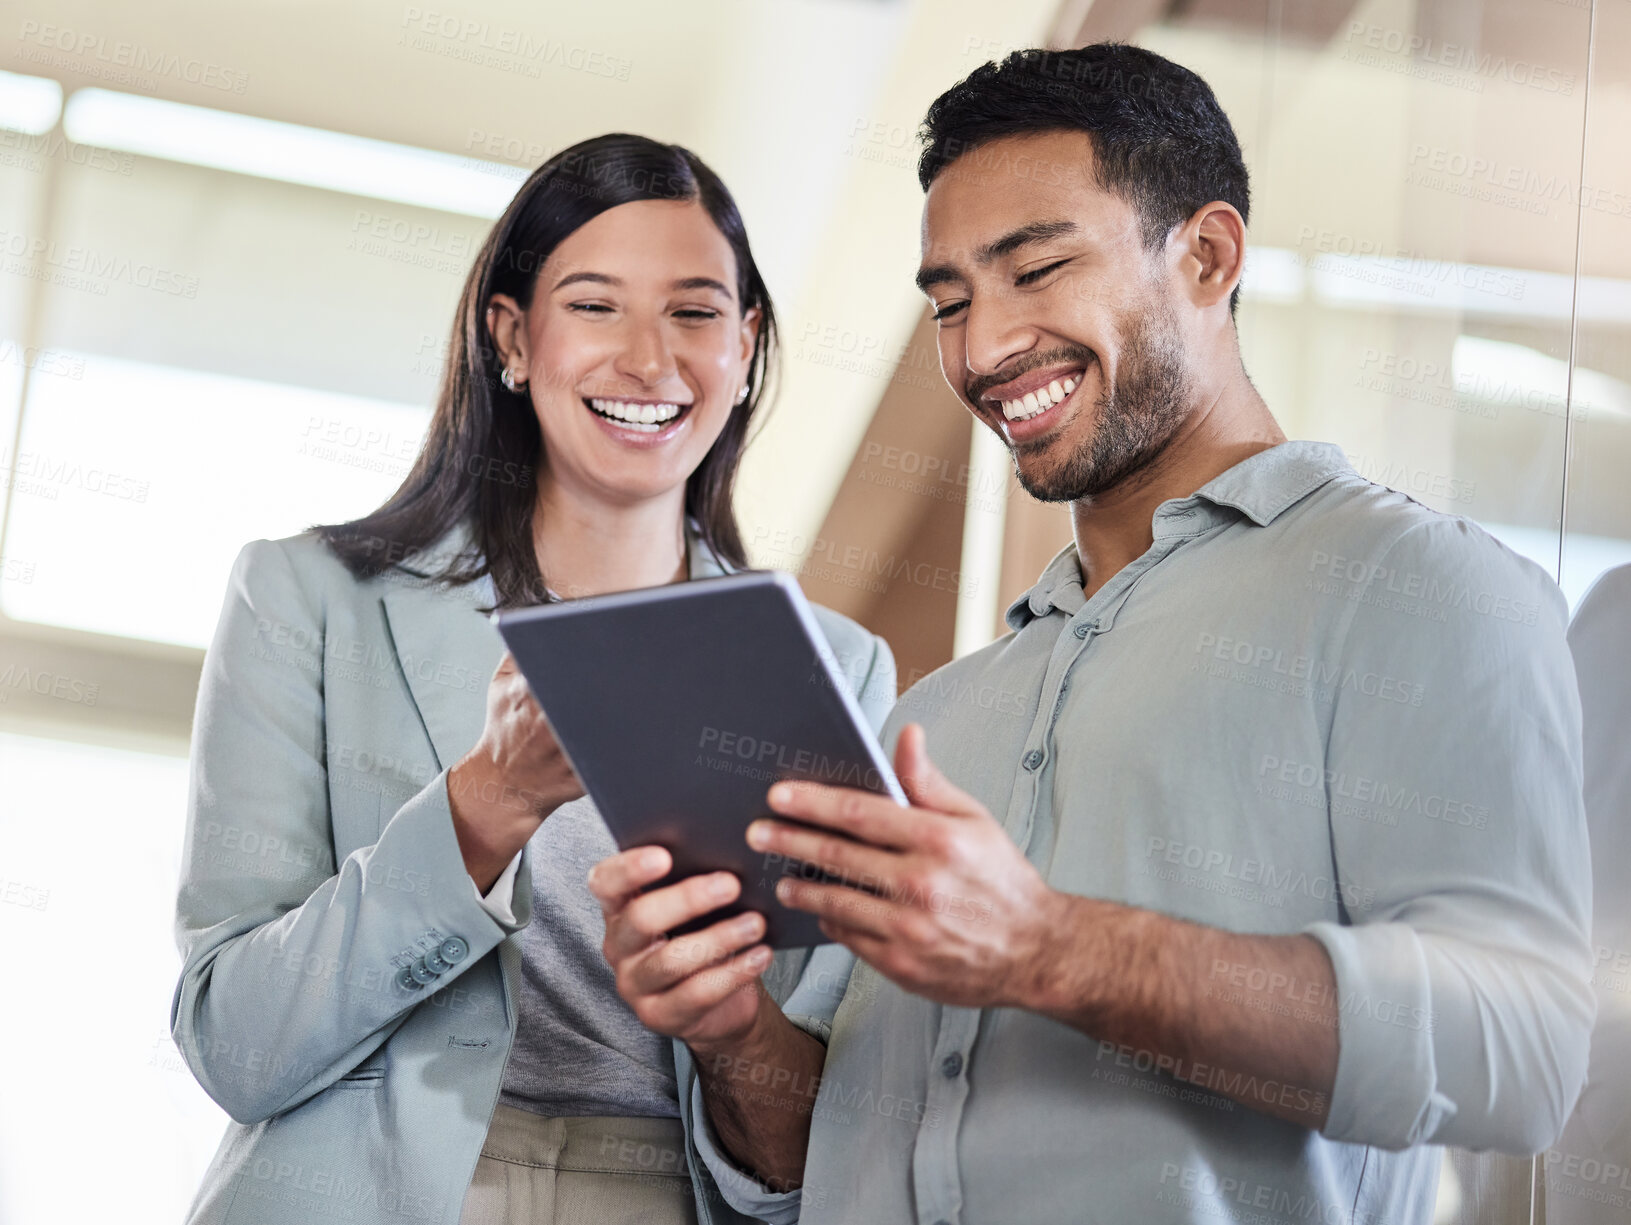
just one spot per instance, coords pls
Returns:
(1261, 487)
(1265, 485)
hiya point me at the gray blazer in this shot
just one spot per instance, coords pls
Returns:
(321, 875)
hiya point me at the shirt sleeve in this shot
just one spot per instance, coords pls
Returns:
(740, 1189)
(499, 900)
(876, 691)
(1463, 961)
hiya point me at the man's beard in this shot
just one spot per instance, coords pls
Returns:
(1135, 419)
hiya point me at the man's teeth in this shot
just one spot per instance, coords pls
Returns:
(645, 418)
(1038, 401)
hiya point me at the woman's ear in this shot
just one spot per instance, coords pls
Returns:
(506, 324)
(750, 337)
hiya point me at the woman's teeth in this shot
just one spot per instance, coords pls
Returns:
(1038, 401)
(645, 418)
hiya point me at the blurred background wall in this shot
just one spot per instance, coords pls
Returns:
(231, 241)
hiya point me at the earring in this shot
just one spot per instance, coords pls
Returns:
(508, 379)
(741, 396)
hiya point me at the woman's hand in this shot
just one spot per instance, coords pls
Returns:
(703, 987)
(515, 776)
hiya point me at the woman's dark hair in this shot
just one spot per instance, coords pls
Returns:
(483, 444)
(1160, 140)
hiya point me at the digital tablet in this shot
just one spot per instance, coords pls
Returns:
(679, 706)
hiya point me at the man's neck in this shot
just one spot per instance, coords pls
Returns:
(1113, 528)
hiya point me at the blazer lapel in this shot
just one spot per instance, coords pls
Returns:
(447, 649)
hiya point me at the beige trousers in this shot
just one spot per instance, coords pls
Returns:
(580, 1171)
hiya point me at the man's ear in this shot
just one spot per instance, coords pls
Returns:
(1211, 249)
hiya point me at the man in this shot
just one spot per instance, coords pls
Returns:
(1277, 873)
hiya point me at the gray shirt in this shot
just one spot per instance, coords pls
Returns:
(1313, 705)
(578, 1049)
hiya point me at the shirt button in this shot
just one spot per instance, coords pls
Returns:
(952, 1065)
(1033, 759)
(1082, 630)
(453, 949)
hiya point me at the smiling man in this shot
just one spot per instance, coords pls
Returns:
(1268, 873)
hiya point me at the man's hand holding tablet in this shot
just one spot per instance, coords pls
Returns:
(935, 896)
(951, 909)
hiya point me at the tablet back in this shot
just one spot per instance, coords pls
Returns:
(679, 706)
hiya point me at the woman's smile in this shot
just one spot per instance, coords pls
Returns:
(638, 422)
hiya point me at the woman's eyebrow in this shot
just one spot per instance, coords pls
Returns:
(703, 282)
(574, 278)
(601, 278)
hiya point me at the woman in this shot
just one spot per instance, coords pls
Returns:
(393, 978)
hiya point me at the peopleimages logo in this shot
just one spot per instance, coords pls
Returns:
(1272, 668)
(1259, 874)
(770, 759)
(1357, 788)
(1370, 579)
(1458, 57)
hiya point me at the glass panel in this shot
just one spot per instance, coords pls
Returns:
(90, 850)
(1586, 1179)
(1599, 506)
(145, 480)
(1413, 239)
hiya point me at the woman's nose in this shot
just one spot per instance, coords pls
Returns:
(646, 355)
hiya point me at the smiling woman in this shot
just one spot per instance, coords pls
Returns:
(390, 948)
(621, 240)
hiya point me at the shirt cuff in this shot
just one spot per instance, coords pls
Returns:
(500, 897)
(742, 1191)
(1386, 1091)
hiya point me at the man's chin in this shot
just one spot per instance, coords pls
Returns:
(1045, 480)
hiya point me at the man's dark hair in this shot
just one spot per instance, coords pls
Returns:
(1160, 140)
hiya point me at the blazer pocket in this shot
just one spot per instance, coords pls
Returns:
(362, 1078)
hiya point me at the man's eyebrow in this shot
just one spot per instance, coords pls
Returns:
(938, 274)
(1037, 231)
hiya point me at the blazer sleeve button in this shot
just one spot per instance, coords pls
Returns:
(453, 949)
